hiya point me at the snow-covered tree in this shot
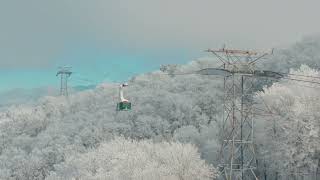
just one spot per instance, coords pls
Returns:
(122, 159)
(289, 131)
(55, 127)
(37, 138)
(305, 52)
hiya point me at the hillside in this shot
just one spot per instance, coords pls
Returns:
(39, 139)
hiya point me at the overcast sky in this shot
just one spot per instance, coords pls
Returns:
(122, 37)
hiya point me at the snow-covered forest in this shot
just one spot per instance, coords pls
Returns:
(173, 129)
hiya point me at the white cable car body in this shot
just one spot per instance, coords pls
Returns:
(124, 104)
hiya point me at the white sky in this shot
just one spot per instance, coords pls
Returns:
(37, 32)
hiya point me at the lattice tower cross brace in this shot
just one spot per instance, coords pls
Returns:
(64, 73)
(238, 158)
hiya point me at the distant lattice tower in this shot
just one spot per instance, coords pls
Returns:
(238, 158)
(65, 73)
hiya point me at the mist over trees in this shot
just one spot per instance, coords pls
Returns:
(84, 137)
(305, 52)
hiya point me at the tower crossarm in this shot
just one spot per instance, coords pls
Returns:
(238, 52)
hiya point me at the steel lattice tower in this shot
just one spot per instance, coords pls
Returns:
(238, 158)
(65, 73)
